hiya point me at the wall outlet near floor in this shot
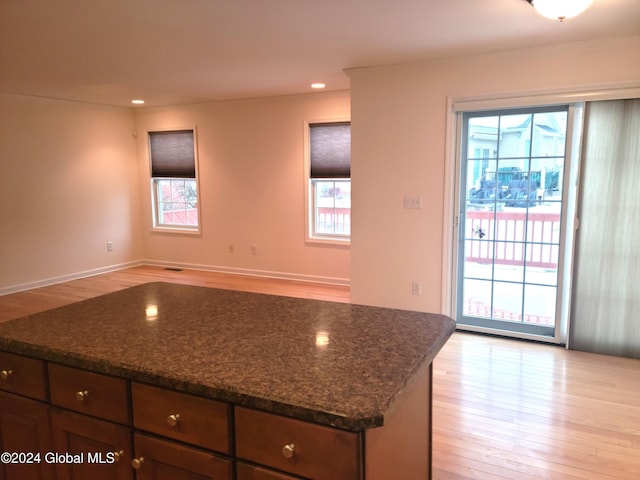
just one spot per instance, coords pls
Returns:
(416, 288)
(109, 246)
(231, 248)
(253, 250)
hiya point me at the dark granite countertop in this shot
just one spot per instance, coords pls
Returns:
(332, 363)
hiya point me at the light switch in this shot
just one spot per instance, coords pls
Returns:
(412, 203)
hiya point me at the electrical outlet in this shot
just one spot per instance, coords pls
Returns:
(109, 246)
(253, 250)
(416, 288)
(232, 248)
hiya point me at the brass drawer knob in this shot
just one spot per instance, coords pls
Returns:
(173, 420)
(136, 463)
(289, 450)
(5, 374)
(82, 395)
(117, 456)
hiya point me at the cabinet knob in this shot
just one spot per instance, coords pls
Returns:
(82, 395)
(136, 463)
(173, 420)
(5, 374)
(288, 450)
(117, 455)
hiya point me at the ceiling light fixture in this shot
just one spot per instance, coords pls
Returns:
(137, 102)
(560, 9)
(318, 85)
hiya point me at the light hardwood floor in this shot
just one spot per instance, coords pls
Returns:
(503, 409)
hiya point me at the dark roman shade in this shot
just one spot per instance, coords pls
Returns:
(172, 154)
(330, 150)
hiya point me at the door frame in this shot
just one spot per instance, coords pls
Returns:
(456, 105)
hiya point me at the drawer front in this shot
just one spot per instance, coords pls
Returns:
(159, 459)
(184, 417)
(253, 472)
(22, 375)
(89, 393)
(298, 447)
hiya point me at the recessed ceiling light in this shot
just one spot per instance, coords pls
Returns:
(137, 102)
(318, 85)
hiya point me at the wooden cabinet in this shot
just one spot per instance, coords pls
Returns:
(90, 424)
(201, 422)
(86, 431)
(24, 418)
(105, 447)
(132, 430)
(297, 447)
(24, 428)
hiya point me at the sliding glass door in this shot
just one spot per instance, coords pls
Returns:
(510, 224)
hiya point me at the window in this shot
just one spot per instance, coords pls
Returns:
(330, 180)
(173, 180)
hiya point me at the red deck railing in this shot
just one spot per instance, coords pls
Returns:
(501, 237)
(333, 220)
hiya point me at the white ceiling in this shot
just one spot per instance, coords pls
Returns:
(187, 51)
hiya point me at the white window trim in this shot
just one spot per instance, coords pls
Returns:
(177, 229)
(308, 190)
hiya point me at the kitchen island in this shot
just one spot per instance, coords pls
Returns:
(245, 385)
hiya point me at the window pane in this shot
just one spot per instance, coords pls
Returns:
(332, 207)
(177, 202)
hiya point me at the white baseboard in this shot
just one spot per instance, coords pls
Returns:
(187, 266)
(252, 273)
(67, 278)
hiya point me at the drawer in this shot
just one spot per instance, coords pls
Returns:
(298, 447)
(89, 393)
(160, 459)
(253, 472)
(199, 421)
(23, 375)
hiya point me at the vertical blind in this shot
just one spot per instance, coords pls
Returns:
(330, 150)
(172, 154)
(606, 290)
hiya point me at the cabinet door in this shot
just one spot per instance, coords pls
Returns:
(93, 449)
(163, 460)
(24, 428)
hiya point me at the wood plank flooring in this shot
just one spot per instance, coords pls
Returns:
(503, 409)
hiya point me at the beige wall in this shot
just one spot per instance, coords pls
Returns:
(399, 147)
(74, 178)
(252, 180)
(68, 185)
